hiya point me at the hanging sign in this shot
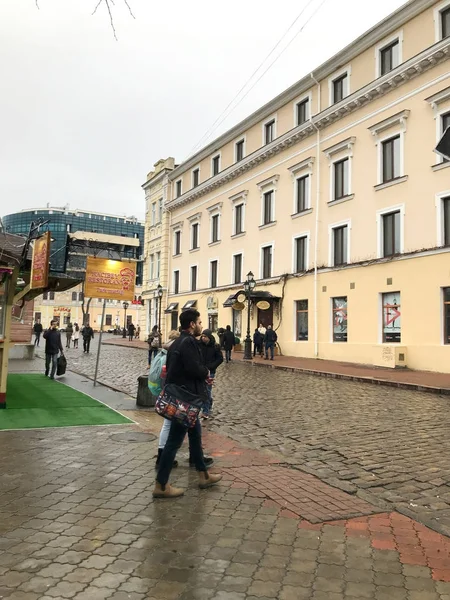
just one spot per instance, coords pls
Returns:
(40, 263)
(109, 279)
(238, 306)
(241, 298)
(263, 305)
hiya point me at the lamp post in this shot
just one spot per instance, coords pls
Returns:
(160, 295)
(125, 306)
(249, 285)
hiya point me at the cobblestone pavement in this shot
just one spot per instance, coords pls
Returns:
(78, 521)
(388, 445)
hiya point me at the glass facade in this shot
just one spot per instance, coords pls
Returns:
(62, 222)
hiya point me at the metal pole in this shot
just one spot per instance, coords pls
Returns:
(248, 339)
(99, 342)
(159, 322)
(124, 335)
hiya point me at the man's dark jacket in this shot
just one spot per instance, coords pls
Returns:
(212, 354)
(228, 340)
(38, 329)
(270, 338)
(53, 343)
(87, 333)
(185, 365)
(258, 338)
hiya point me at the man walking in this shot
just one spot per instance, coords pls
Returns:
(131, 331)
(257, 343)
(270, 340)
(228, 343)
(69, 334)
(88, 335)
(53, 347)
(185, 367)
(37, 330)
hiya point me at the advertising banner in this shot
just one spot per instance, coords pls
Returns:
(109, 279)
(40, 264)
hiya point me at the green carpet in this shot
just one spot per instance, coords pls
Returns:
(36, 401)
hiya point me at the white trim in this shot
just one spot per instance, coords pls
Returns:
(380, 233)
(243, 138)
(243, 203)
(307, 235)
(331, 228)
(379, 144)
(211, 260)
(345, 147)
(273, 118)
(241, 252)
(440, 130)
(195, 218)
(215, 208)
(439, 98)
(190, 277)
(299, 100)
(308, 176)
(215, 155)
(197, 167)
(397, 120)
(335, 154)
(271, 190)
(269, 182)
(440, 237)
(398, 36)
(212, 216)
(437, 19)
(304, 165)
(261, 248)
(173, 281)
(240, 195)
(347, 70)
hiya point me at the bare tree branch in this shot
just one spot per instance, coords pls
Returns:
(37, 5)
(111, 18)
(95, 9)
(129, 8)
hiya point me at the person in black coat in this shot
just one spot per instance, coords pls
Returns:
(185, 367)
(270, 339)
(37, 329)
(228, 343)
(258, 339)
(213, 357)
(53, 346)
(131, 331)
(88, 335)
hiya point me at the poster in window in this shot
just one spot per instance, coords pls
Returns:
(340, 319)
(392, 318)
(237, 323)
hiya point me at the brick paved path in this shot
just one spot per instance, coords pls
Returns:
(78, 521)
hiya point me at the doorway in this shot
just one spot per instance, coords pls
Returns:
(174, 320)
(265, 317)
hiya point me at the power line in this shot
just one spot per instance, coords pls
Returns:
(225, 112)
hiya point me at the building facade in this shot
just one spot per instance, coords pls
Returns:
(332, 196)
(75, 235)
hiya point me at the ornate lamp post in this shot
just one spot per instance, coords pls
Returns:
(160, 293)
(125, 306)
(249, 285)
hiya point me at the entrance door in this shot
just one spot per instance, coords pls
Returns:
(174, 320)
(265, 316)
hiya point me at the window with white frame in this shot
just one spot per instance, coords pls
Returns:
(444, 125)
(442, 20)
(302, 193)
(390, 156)
(215, 165)
(341, 181)
(195, 236)
(389, 135)
(215, 228)
(389, 54)
(340, 157)
(194, 272)
(176, 282)
(152, 266)
(390, 231)
(339, 86)
(158, 264)
(340, 247)
(178, 188)
(267, 261)
(302, 320)
(213, 273)
(301, 254)
(239, 219)
(153, 213)
(440, 103)
(196, 177)
(302, 111)
(269, 131)
(177, 242)
(268, 207)
(160, 210)
(237, 268)
(443, 206)
(240, 150)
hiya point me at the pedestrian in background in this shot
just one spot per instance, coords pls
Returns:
(258, 339)
(76, 335)
(53, 346)
(262, 330)
(213, 357)
(37, 330)
(270, 339)
(69, 333)
(88, 335)
(154, 343)
(138, 332)
(228, 343)
(131, 331)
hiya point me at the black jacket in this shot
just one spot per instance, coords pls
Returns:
(228, 340)
(185, 365)
(38, 328)
(270, 337)
(212, 355)
(258, 338)
(87, 333)
(53, 343)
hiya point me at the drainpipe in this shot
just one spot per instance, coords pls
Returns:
(317, 221)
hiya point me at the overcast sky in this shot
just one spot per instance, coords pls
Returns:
(84, 117)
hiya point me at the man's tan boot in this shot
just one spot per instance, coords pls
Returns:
(166, 491)
(206, 480)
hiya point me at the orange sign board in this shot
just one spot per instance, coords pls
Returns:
(40, 264)
(109, 279)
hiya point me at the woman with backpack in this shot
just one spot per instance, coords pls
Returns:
(154, 342)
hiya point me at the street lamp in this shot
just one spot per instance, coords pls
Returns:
(125, 306)
(160, 295)
(249, 285)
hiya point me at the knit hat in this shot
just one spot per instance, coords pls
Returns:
(208, 333)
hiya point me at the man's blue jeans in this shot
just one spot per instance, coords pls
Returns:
(53, 359)
(272, 348)
(208, 404)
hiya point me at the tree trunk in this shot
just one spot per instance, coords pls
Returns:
(85, 305)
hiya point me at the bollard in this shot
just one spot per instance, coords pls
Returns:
(144, 396)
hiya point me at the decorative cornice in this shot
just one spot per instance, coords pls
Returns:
(239, 196)
(269, 181)
(376, 89)
(217, 207)
(438, 98)
(346, 144)
(196, 217)
(397, 119)
(178, 225)
(302, 166)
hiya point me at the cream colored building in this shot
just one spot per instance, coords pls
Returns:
(156, 249)
(332, 195)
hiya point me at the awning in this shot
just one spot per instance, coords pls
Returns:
(255, 295)
(230, 301)
(189, 304)
(173, 306)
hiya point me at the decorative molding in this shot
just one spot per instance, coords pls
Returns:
(346, 144)
(178, 225)
(441, 166)
(195, 218)
(302, 166)
(405, 72)
(270, 181)
(386, 184)
(397, 119)
(215, 207)
(341, 200)
(303, 213)
(438, 98)
(239, 196)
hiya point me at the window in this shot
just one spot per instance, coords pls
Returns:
(269, 131)
(267, 258)
(215, 233)
(177, 243)
(302, 320)
(238, 219)
(213, 322)
(237, 322)
(392, 327)
(52, 295)
(302, 194)
(195, 177)
(153, 221)
(176, 282)
(446, 215)
(445, 22)
(194, 236)
(341, 179)
(237, 268)
(268, 208)
(213, 273)
(179, 188)
(300, 250)
(74, 296)
(152, 266)
(108, 320)
(339, 319)
(158, 264)
(339, 88)
(391, 234)
(391, 159)
(160, 210)
(302, 111)
(389, 57)
(445, 124)
(240, 150)
(216, 165)
(45, 296)
(80, 296)
(193, 279)
(446, 315)
(340, 245)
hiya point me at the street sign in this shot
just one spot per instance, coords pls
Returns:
(110, 279)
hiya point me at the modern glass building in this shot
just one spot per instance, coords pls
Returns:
(63, 222)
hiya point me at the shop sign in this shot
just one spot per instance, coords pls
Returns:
(263, 305)
(238, 306)
(109, 279)
(40, 263)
